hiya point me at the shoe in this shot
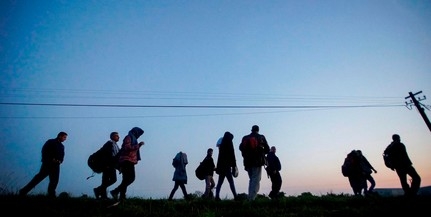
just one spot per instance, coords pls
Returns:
(96, 193)
(114, 194)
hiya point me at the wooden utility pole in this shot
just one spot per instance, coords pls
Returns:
(418, 106)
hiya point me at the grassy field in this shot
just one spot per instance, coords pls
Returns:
(303, 205)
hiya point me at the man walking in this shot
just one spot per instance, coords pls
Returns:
(403, 166)
(52, 157)
(109, 174)
(253, 148)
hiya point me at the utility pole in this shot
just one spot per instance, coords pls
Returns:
(418, 106)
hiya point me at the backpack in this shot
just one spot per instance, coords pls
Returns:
(253, 147)
(200, 171)
(347, 167)
(97, 161)
(387, 158)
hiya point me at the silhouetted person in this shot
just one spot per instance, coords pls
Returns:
(226, 162)
(356, 176)
(209, 166)
(273, 171)
(109, 174)
(52, 157)
(180, 174)
(367, 169)
(403, 166)
(129, 157)
(253, 148)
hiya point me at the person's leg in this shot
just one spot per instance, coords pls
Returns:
(416, 180)
(277, 184)
(129, 180)
(212, 185)
(176, 185)
(372, 183)
(98, 191)
(354, 183)
(54, 177)
(41, 175)
(207, 186)
(183, 189)
(109, 177)
(272, 192)
(219, 184)
(402, 175)
(363, 185)
(254, 183)
(128, 172)
(229, 178)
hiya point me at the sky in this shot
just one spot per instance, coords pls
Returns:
(320, 78)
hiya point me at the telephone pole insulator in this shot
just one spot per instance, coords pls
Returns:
(418, 106)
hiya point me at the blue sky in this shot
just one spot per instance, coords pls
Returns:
(339, 70)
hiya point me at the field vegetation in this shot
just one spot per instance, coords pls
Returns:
(305, 204)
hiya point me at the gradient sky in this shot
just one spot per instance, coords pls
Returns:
(339, 70)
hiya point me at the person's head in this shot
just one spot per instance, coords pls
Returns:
(210, 151)
(273, 149)
(396, 138)
(114, 136)
(62, 136)
(137, 132)
(228, 136)
(255, 129)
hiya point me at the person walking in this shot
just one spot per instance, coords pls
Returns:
(226, 163)
(52, 157)
(253, 148)
(352, 169)
(208, 164)
(109, 174)
(180, 174)
(367, 169)
(128, 158)
(273, 170)
(403, 166)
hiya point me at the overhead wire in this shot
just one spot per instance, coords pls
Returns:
(310, 102)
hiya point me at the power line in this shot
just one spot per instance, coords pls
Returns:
(202, 106)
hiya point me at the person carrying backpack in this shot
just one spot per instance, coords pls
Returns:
(208, 164)
(402, 164)
(253, 149)
(353, 171)
(109, 173)
(273, 171)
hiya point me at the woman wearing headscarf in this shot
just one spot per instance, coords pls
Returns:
(129, 157)
(226, 163)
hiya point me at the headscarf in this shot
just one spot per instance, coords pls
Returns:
(134, 134)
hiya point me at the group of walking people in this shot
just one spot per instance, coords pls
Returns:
(256, 155)
(359, 173)
(358, 169)
(254, 149)
(123, 159)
